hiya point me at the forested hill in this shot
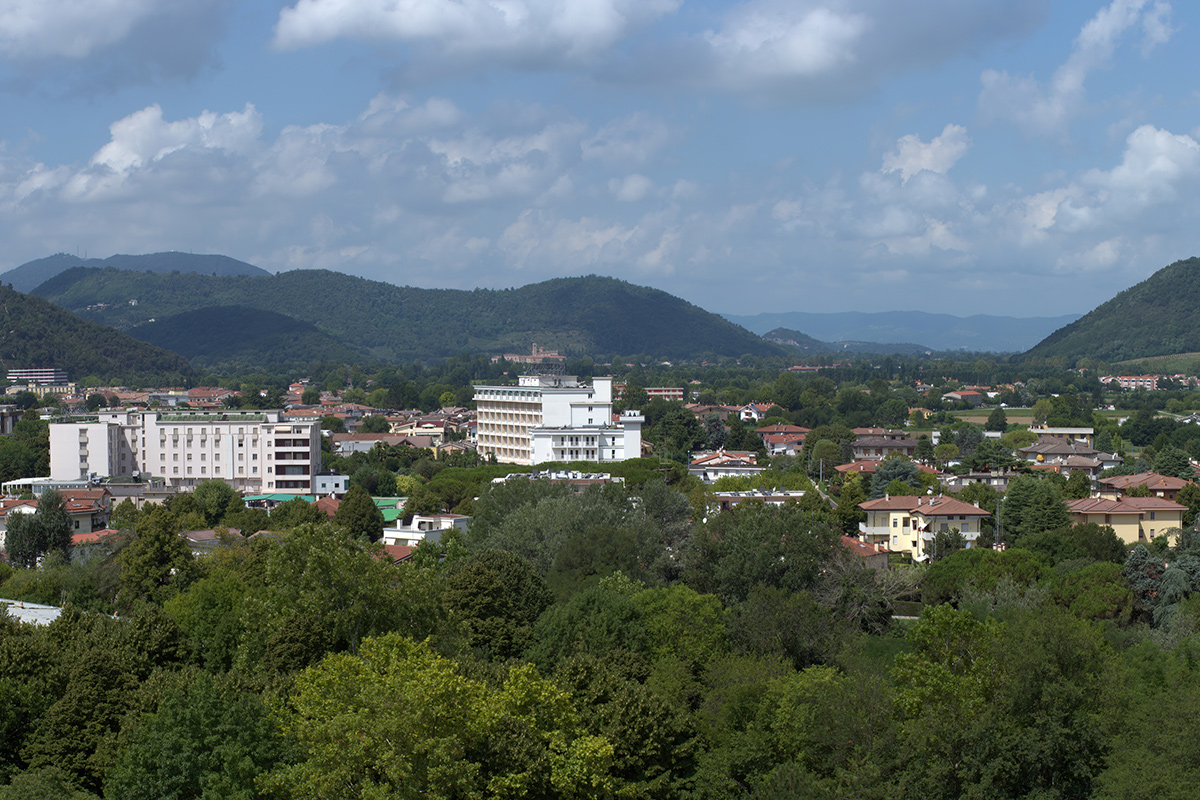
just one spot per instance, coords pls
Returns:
(32, 274)
(1159, 316)
(593, 315)
(810, 346)
(227, 335)
(36, 333)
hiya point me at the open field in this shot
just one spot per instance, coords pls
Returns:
(1170, 364)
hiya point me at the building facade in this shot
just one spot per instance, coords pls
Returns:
(253, 451)
(554, 418)
(909, 524)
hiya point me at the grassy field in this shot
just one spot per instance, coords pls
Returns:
(1179, 362)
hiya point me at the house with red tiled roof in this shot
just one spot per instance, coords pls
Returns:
(710, 466)
(1134, 519)
(909, 524)
(1164, 486)
(868, 467)
(873, 556)
(880, 447)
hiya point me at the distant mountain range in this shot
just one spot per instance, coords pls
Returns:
(592, 315)
(32, 274)
(1159, 316)
(939, 332)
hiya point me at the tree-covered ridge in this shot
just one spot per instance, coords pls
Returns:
(810, 346)
(32, 274)
(238, 334)
(37, 333)
(594, 315)
(1159, 316)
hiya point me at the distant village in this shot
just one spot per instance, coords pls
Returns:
(110, 443)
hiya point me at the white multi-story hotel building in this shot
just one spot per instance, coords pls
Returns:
(253, 451)
(554, 418)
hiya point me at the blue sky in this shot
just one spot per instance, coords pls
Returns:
(1013, 157)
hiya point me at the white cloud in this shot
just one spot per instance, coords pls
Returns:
(1104, 255)
(937, 155)
(519, 33)
(1047, 111)
(631, 188)
(66, 28)
(770, 41)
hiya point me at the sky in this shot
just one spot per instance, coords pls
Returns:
(1012, 157)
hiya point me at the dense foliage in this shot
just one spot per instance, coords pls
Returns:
(1156, 317)
(595, 315)
(34, 332)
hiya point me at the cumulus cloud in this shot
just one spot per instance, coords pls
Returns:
(517, 33)
(788, 40)
(826, 50)
(937, 155)
(1046, 111)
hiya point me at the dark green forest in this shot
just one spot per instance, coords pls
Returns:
(34, 332)
(1156, 317)
(230, 336)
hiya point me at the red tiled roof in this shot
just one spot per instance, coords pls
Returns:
(939, 506)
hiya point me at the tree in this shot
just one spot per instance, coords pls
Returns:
(424, 729)
(946, 452)
(358, 515)
(208, 738)
(124, 516)
(1189, 496)
(95, 401)
(968, 438)
(1173, 462)
(1079, 485)
(156, 561)
(894, 469)
(214, 499)
(311, 396)
(500, 596)
(376, 423)
(30, 537)
(997, 421)
(925, 452)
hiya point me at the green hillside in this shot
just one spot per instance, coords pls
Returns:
(225, 335)
(32, 274)
(807, 345)
(593, 315)
(36, 333)
(1159, 316)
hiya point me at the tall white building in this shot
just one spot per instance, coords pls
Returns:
(554, 418)
(253, 451)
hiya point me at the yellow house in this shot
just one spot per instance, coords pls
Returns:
(908, 524)
(1135, 519)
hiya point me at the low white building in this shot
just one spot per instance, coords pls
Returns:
(423, 527)
(253, 451)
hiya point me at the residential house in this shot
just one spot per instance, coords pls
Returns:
(1134, 519)
(880, 447)
(423, 527)
(909, 524)
(971, 398)
(873, 556)
(775, 497)
(709, 466)
(1164, 486)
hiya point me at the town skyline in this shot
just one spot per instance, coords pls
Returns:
(1021, 159)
